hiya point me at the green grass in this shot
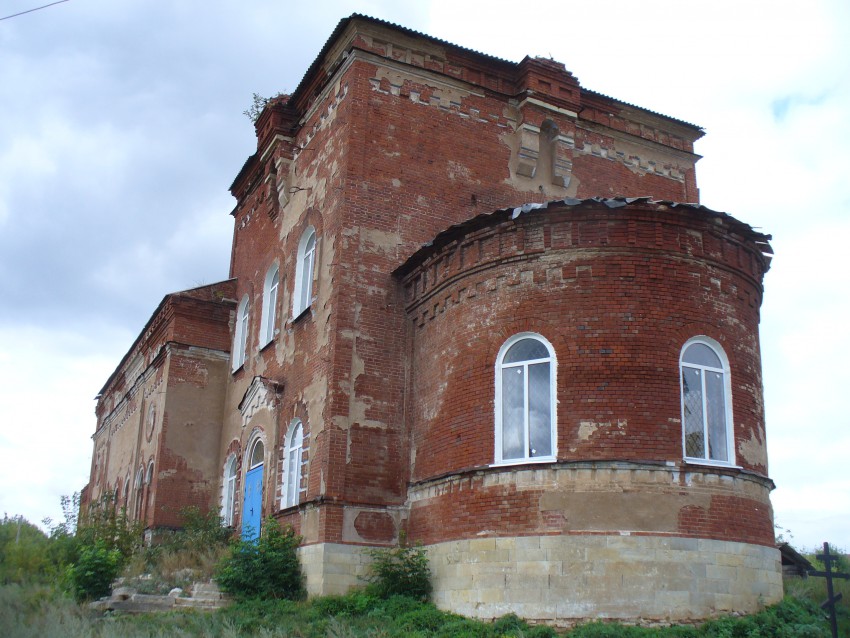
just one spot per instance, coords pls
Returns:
(41, 612)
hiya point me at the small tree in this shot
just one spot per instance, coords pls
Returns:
(267, 567)
(23, 551)
(92, 574)
(402, 570)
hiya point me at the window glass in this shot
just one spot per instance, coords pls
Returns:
(701, 354)
(525, 350)
(715, 404)
(525, 413)
(513, 418)
(706, 418)
(270, 304)
(305, 264)
(257, 454)
(229, 492)
(240, 337)
(293, 466)
(692, 405)
(539, 410)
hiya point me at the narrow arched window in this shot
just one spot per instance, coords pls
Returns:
(706, 402)
(525, 400)
(305, 264)
(140, 485)
(270, 287)
(228, 491)
(293, 464)
(240, 336)
(257, 452)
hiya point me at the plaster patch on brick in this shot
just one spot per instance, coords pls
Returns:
(531, 180)
(378, 241)
(441, 94)
(369, 525)
(322, 287)
(310, 524)
(357, 404)
(315, 398)
(753, 450)
(587, 429)
(640, 158)
(458, 171)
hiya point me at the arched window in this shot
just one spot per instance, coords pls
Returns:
(268, 327)
(257, 452)
(228, 492)
(140, 486)
(127, 491)
(293, 464)
(706, 402)
(303, 294)
(149, 478)
(525, 400)
(240, 336)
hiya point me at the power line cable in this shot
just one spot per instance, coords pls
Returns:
(15, 15)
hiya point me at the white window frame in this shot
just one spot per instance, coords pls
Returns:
(293, 465)
(727, 390)
(228, 492)
(305, 265)
(257, 440)
(553, 384)
(240, 334)
(271, 286)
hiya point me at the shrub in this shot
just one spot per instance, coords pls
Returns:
(267, 567)
(92, 575)
(401, 570)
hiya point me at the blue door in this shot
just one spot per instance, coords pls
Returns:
(252, 503)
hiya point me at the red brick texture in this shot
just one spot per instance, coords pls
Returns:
(617, 292)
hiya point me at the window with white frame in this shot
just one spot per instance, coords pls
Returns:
(293, 464)
(270, 287)
(140, 486)
(257, 457)
(240, 336)
(228, 492)
(525, 400)
(706, 402)
(303, 293)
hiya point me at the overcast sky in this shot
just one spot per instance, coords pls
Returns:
(121, 127)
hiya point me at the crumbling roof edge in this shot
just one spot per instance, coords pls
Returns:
(344, 22)
(696, 127)
(449, 234)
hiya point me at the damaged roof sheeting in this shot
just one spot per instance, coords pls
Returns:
(761, 240)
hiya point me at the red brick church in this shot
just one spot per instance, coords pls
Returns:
(475, 302)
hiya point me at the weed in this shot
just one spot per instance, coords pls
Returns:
(400, 570)
(267, 567)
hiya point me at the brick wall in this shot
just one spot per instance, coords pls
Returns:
(617, 292)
